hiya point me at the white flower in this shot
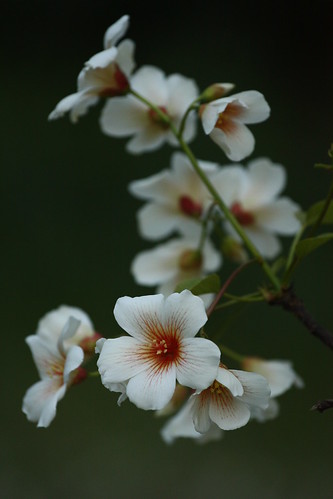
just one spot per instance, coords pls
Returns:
(280, 376)
(161, 348)
(174, 261)
(177, 199)
(57, 367)
(124, 116)
(252, 196)
(106, 74)
(228, 401)
(182, 425)
(224, 120)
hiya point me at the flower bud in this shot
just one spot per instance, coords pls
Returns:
(190, 260)
(216, 91)
(233, 250)
(89, 342)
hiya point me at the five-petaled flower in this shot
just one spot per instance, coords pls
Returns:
(106, 74)
(58, 367)
(224, 120)
(161, 348)
(124, 116)
(177, 199)
(251, 194)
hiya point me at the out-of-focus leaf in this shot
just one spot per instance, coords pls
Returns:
(315, 210)
(200, 285)
(310, 244)
(323, 166)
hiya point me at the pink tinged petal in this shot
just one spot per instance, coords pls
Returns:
(46, 356)
(125, 57)
(155, 266)
(230, 381)
(279, 216)
(256, 109)
(148, 139)
(265, 181)
(198, 364)
(74, 359)
(231, 183)
(121, 359)
(200, 411)
(184, 313)
(150, 82)
(116, 31)
(141, 316)
(103, 59)
(256, 388)
(122, 116)
(157, 221)
(237, 143)
(153, 388)
(182, 91)
(267, 244)
(228, 412)
(40, 401)
(211, 113)
(262, 415)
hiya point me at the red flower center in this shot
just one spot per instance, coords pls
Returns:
(190, 207)
(244, 217)
(156, 118)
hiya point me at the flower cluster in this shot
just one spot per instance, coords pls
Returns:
(164, 360)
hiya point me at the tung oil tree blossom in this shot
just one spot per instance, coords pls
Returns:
(169, 356)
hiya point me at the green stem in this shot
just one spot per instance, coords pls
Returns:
(228, 215)
(93, 374)
(191, 107)
(324, 210)
(204, 227)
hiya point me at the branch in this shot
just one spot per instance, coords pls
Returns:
(289, 301)
(322, 405)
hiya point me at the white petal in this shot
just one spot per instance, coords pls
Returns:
(182, 91)
(211, 113)
(45, 354)
(267, 244)
(152, 389)
(40, 401)
(99, 345)
(256, 388)
(122, 116)
(155, 266)
(150, 82)
(256, 110)
(148, 139)
(262, 415)
(279, 216)
(77, 104)
(157, 221)
(68, 331)
(228, 412)
(157, 187)
(265, 181)
(185, 312)
(116, 31)
(231, 183)
(125, 57)
(236, 145)
(103, 59)
(200, 411)
(199, 364)
(74, 359)
(212, 259)
(181, 425)
(134, 314)
(119, 360)
(230, 381)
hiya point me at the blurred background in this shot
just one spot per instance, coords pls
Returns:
(69, 235)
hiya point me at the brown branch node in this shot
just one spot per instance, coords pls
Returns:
(322, 405)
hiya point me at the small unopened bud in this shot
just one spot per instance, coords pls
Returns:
(233, 250)
(190, 260)
(79, 375)
(216, 91)
(89, 342)
(190, 207)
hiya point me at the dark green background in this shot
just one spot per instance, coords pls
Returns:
(69, 235)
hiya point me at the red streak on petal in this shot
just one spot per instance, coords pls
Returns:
(225, 121)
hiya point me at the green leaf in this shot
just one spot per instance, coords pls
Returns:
(315, 210)
(323, 166)
(310, 244)
(200, 285)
